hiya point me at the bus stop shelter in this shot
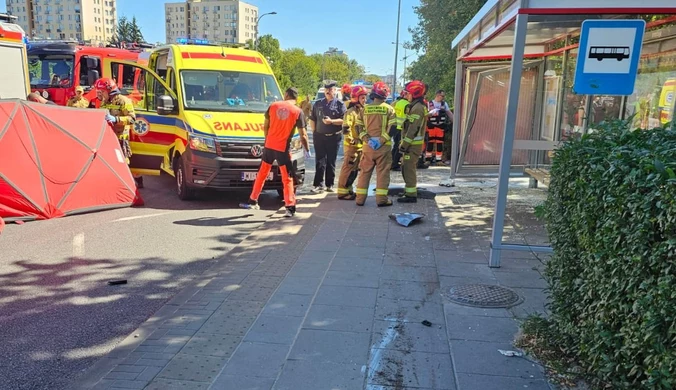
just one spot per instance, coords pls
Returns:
(517, 36)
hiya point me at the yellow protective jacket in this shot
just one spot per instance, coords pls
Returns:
(399, 110)
(414, 125)
(375, 121)
(122, 108)
(77, 103)
(350, 127)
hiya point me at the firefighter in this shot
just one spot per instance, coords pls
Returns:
(120, 117)
(352, 146)
(373, 125)
(281, 120)
(412, 139)
(345, 90)
(78, 101)
(399, 108)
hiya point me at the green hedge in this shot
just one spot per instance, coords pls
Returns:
(611, 218)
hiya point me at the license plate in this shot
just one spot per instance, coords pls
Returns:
(251, 176)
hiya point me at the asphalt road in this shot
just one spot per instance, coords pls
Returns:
(58, 315)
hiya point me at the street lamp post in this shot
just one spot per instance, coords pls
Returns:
(404, 45)
(331, 51)
(257, 21)
(396, 48)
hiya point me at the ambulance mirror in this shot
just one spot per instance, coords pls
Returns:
(92, 76)
(165, 105)
(92, 63)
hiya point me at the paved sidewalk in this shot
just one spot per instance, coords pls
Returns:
(335, 299)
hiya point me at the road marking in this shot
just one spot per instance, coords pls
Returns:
(79, 245)
(141, 217)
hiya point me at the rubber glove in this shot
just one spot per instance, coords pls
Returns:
(374, 143)
(110, 119)
(308, 154)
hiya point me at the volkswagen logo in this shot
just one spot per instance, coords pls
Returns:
(256, 151)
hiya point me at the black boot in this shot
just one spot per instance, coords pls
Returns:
(407, 199)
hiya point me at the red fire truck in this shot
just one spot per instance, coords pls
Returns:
(57, 67)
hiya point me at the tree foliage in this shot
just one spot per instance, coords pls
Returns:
(295, 67)
(127, 31)
(440, 22)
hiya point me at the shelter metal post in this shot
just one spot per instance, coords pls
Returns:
(458, 107)
(508, 141)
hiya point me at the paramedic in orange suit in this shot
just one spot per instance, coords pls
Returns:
(281, 119)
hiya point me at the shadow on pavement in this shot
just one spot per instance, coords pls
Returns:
(58, 319)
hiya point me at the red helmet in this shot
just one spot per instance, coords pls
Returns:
(105, 84)
(416, 88)
(381, 90)
(346, 89)
(357, 91)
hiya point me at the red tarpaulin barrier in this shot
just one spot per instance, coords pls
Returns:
(57, 161)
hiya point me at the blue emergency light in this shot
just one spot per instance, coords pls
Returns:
(186, 41)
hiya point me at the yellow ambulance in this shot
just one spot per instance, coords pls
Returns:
(14, 75)
(200, 118)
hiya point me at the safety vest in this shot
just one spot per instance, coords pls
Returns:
(399, 108)
(377, 119)
(283, 118)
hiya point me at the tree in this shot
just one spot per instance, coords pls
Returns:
(440, 22)
(127, 31)
(135, 34)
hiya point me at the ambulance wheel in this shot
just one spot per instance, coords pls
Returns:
(182, 189)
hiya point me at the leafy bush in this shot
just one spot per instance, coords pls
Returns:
(611, 217)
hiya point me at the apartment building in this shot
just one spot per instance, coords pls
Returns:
(230, 21)
(93, 21)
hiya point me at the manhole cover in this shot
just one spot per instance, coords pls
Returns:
(483, 295)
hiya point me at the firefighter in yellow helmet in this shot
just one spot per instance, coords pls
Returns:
(373, 125)
(120, 117)
(352, 146)
(412, 139)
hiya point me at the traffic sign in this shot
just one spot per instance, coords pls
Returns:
(608, 57)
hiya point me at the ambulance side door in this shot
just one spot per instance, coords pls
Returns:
(153, 135)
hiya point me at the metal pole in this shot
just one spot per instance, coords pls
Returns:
(457, 105)
(396, 49)
(403, 81)
(508, 140)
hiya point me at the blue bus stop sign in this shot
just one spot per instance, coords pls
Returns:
(608, 57)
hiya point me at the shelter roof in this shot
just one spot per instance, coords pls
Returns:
(490, 34)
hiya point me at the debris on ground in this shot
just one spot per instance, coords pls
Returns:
(510, 353)
(406, 219)
(117, 282)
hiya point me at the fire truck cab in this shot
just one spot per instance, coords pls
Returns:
(57, 67)
(14, 77)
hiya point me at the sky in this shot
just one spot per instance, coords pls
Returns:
(363, 29)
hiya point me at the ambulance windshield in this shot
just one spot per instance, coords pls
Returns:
(212, 90)
(50, 70)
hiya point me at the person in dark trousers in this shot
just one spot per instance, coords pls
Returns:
(326, 121)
